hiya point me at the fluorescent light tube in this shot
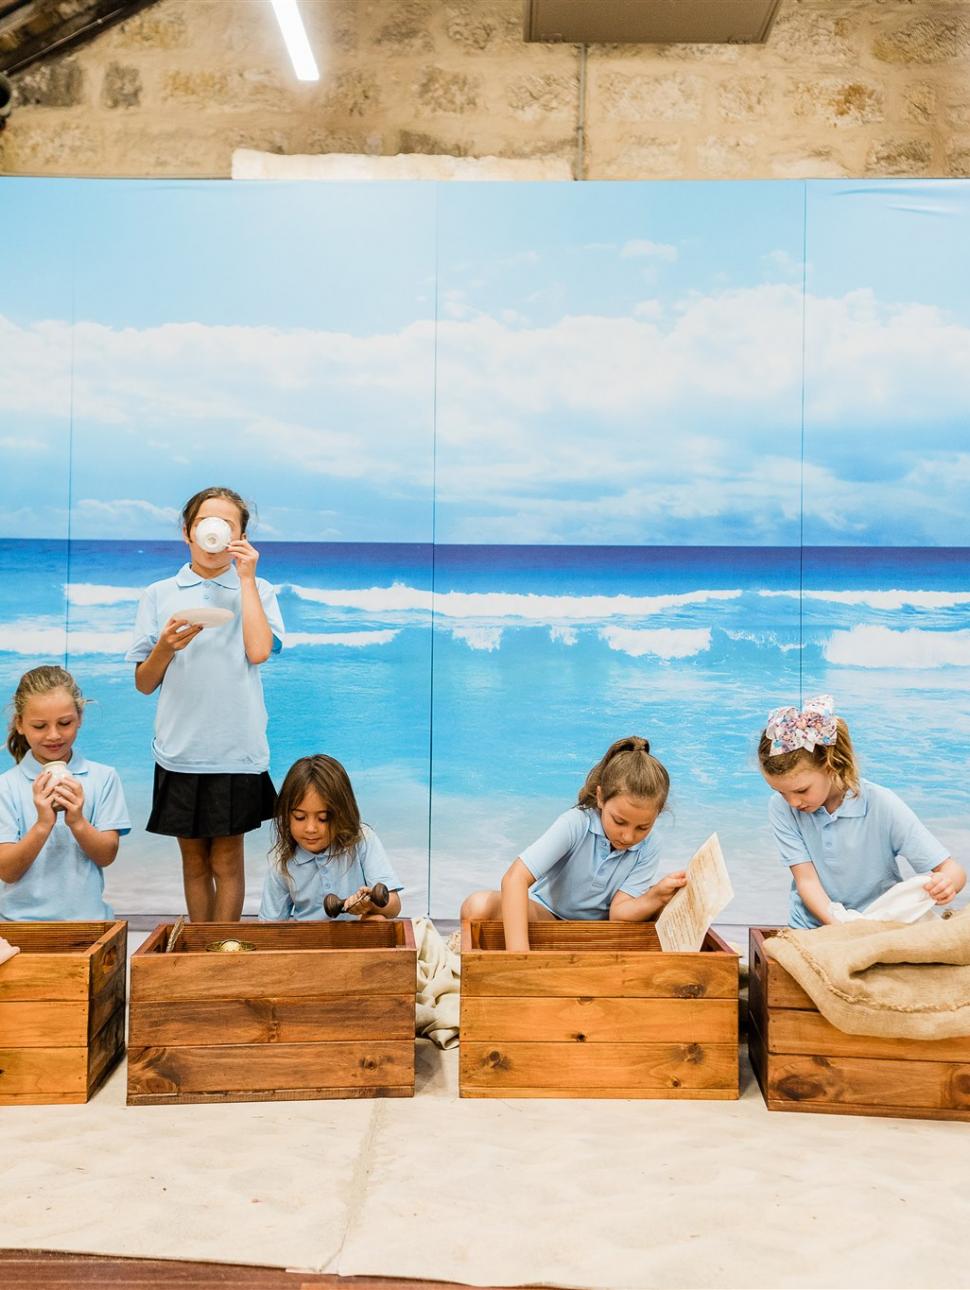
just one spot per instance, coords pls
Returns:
(294, 33)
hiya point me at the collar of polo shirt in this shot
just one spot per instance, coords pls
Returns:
(30, 767)
(187, 577)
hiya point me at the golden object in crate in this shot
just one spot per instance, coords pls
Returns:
(230, 946)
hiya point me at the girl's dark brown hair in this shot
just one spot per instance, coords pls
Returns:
(627, 767)
(38, 681)
(837, 760)
(192, 507)
(332, 783)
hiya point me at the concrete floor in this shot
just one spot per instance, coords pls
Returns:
(578, 1193)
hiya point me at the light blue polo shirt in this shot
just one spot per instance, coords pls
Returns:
(854, 849)
(312, 877)
(62, 883)
(577, 871)
(211, 718)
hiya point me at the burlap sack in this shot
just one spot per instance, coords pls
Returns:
(891, 979)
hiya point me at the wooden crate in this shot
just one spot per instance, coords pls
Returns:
(317, 1010)
(804, 1063)
(596, 1010)
(62, 1010)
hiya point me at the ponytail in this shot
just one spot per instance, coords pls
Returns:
(628, 767)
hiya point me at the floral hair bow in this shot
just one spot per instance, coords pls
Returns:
(788, 729)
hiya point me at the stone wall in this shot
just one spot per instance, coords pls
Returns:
(843, 87)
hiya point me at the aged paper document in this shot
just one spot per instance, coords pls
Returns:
(688, 915)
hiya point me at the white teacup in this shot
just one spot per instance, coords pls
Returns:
(213, 534)
(57, 770)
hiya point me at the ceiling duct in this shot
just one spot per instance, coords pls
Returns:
(650, 22)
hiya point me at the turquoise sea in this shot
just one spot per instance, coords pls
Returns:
(469, 688)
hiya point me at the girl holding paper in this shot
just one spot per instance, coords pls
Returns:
(598, 860)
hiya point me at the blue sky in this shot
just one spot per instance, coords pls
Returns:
(612, 363)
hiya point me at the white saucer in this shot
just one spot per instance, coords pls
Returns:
(206, 616)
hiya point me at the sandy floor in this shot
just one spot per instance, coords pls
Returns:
(582, 1193)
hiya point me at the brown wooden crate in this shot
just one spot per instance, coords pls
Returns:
(587, 1067)
(803, 1063)
(313, 1009)
(43, 1024)
(47, 1072)
(245, 1068)
(272, 1021)
(592, 1020)
(596, 973)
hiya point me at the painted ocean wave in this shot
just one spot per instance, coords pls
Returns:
(492, 605)
(890, 600)
(912, 648)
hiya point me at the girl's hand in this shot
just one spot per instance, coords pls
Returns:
(245, 556)
(359, 902)
(941, 888)
(177, 633)
(670, 884)
(69, 794)
(43, 794)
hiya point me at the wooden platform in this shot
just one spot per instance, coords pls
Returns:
(62, 1010)
(596, 1009)
(317, 1010)
(39, 1270)
(803, 1063)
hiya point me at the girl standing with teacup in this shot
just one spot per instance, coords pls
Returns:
(200, 639)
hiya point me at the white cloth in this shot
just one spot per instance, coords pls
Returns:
(439, 972)
(907, 902)
(7, 951)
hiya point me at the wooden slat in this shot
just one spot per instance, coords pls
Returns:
(263, 1067)
(43, 1025)
(593, 973)
(57, 938)
(274, 974)
(569, 936)
(106, 1050)
(846, 1081)
(310, 934)
(107, 1001)
(808, 1033)
(341, 1093)
(272, 1021)
(109, 957)
(44, 977)
(587, 1067)
(638, 1092)
(586, 1020)
(26, 1072)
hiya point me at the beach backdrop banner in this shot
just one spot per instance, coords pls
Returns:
(535, 466)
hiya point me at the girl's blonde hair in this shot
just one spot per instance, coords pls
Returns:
(626, 767)
(33, 684)
(332, 783)
(838, 760)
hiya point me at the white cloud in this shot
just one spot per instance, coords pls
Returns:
(640, 247)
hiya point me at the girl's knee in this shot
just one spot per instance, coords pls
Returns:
(482, 904)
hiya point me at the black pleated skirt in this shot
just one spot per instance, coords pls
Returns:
(209, 806)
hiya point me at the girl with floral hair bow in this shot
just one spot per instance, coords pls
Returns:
(840, 835)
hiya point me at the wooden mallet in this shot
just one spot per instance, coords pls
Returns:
(333, 905)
